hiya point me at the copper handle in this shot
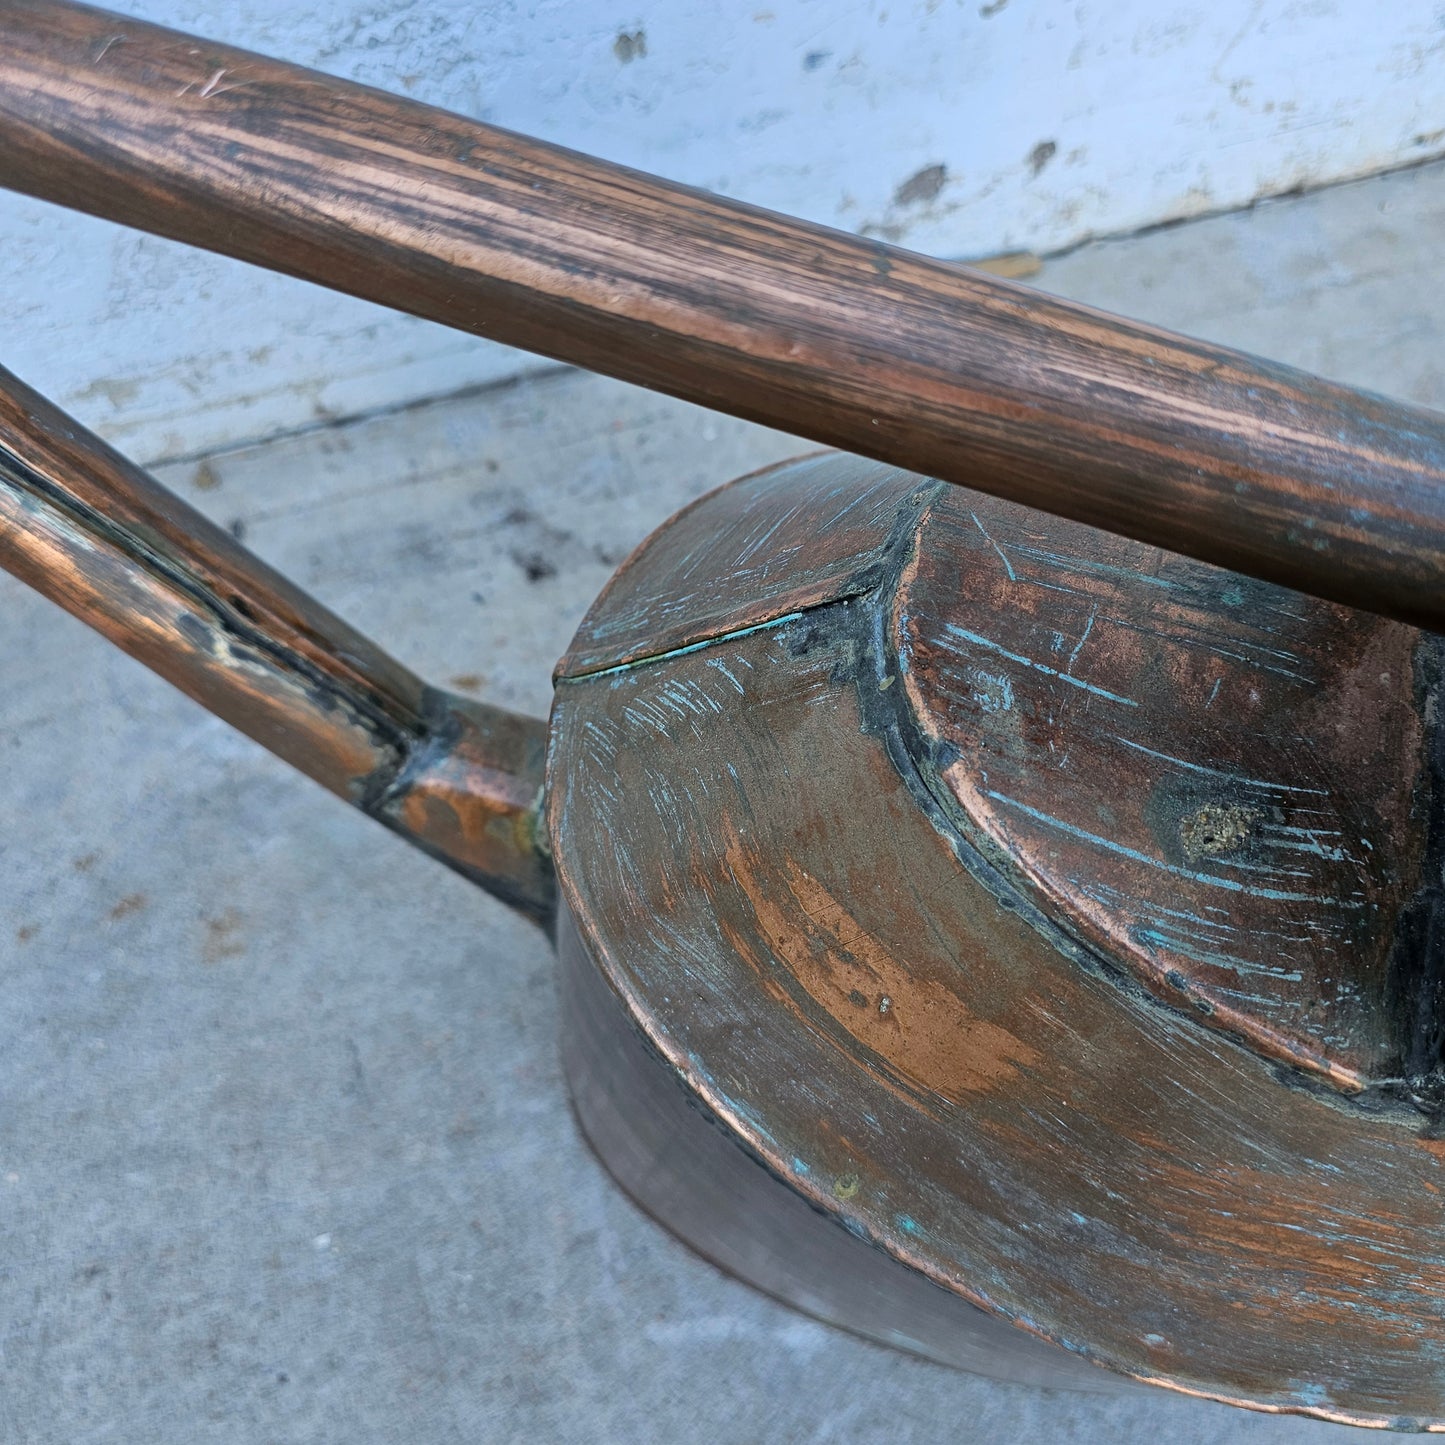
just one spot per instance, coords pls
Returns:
(844, 340)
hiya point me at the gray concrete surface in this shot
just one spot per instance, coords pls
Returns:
(284, 1148)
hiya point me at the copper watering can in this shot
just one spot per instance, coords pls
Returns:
(979, 926)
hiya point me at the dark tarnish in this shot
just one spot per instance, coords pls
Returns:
(1415, 999)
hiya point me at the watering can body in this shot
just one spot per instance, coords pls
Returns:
(921, 888)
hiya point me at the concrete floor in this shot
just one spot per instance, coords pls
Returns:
(285, 1153)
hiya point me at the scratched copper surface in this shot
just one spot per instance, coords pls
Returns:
(735, 559)
(783, 898)
(1220, 783)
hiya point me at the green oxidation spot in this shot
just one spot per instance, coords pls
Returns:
(847, 1185)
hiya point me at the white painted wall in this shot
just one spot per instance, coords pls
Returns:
(960, 129)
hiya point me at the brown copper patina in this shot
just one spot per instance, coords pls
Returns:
(986, 931)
